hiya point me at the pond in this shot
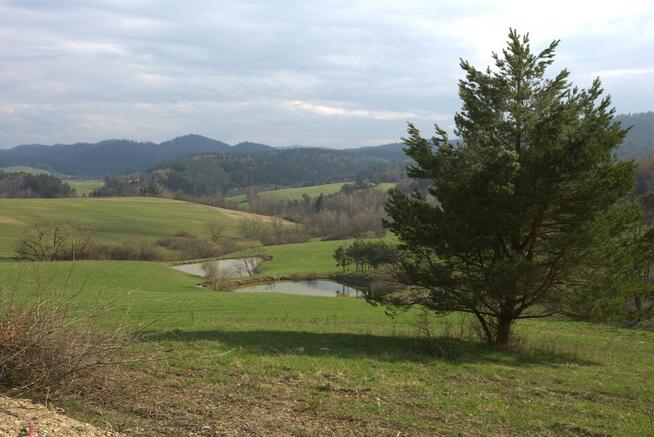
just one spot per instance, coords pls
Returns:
(232, 268)
(318, 287)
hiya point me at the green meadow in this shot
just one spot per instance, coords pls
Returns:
(271, 363)
(266, 362)
(113, 219)
(299, 192)
(83, 187)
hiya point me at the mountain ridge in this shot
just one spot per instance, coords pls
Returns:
(121, 156)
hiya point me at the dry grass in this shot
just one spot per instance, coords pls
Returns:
(46, 342)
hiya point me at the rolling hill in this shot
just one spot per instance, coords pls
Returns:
(110, 157)
(119, 157)
(115, 219)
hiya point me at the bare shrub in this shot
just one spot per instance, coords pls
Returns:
(64, 241)
(137, 250)
(53, 241)
(216, 231)
(217, 278)
(46, 343)
(251, 258)
(277, 231)
(192, 247)
(252, 229)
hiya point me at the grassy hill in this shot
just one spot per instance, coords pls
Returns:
(114, 219)
(81, 186)
(84, 186)
(310, 365)
(298, 192)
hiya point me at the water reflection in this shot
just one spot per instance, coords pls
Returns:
(232, 268)
(314, 287)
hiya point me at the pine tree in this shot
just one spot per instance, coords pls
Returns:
(520, 196)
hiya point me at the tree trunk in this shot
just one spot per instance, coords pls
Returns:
(503, 332)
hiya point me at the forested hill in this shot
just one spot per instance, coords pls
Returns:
(639, 142)
(119, 157)
(110, 157)
(211, 174)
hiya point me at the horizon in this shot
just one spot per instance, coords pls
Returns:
(192, 134)
(336, 75)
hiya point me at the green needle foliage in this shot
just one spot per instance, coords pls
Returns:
(521, 200)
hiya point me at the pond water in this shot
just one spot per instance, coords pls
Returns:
(233, 268)
(318, 287)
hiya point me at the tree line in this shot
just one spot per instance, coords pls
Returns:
(26, 185)
(365, 255)
(355, 211)
(220, 174)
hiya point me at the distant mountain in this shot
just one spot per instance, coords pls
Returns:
(118, 157)
(248, 147)
(390, 152)
(110, 157)
(194, 144)
(639, 142)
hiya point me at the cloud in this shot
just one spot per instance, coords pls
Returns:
(336, 72)
(624, 73)
(340, 111)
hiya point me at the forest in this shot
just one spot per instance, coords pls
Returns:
(25, 185)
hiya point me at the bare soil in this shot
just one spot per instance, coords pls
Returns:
(19, 417)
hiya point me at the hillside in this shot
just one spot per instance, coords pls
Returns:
(118, 157)
(271, 362)
(110, 157)
(299, 192)
(115, 219)
(639, 142)
(217, 173)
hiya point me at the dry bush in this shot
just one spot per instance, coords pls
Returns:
(253, 229)
(216, 231)
(135, 250)
(65, 241)
(54, 241)
(217, 278)
(251, 257)
(274, 232)
(47, 342)
(192, 247)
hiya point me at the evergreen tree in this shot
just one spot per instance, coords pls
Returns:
(521, 196)
(341, 257)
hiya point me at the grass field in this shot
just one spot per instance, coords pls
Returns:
(281, 364)
(297, 193)
(84, 186)
(113, 219)
(270, 363)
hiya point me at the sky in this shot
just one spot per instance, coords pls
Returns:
(331, 73)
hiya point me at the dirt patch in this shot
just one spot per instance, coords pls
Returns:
(18, 417)
(7, 220)
(242, 215)
(242, 405)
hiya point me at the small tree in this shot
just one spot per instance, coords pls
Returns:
(216, 231)
(44, 241)
(217, 278)
(341, 257)
(521, 196)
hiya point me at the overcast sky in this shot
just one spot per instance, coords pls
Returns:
(327, 73)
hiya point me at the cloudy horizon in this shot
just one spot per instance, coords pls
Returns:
(337, 73)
